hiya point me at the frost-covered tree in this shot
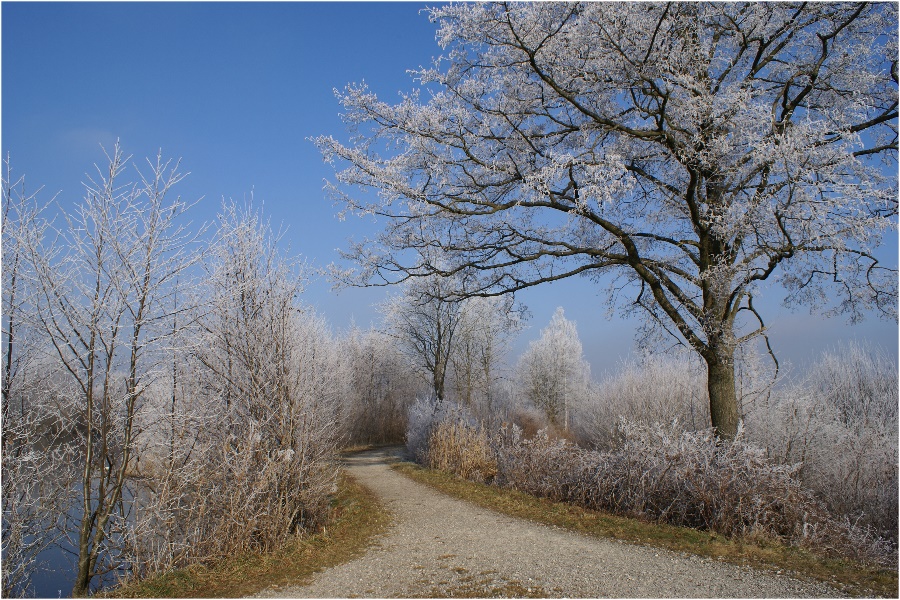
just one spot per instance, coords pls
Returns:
(687, 151)
(482, 339)
(553, 371)
(382, 386)
(34, 490)
(103, 301)
(424, 321)
(276, 376)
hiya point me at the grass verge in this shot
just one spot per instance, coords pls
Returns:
(357, 518)
(846, 576)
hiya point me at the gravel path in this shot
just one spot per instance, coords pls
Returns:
(442, 547)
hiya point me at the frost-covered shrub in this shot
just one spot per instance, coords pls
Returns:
(540, 465)
(665, 474)
(860, 383)
(247, 475)
(530, 421)
(422, 416)
(691, 479)
(662, 474)
(231, 495)
(657, 389)
(840, 424)
(39, 468)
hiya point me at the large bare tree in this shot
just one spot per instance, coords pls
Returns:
(688, 152)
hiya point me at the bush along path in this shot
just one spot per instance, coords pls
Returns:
(443, 547)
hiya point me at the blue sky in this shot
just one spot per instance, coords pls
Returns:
(236, 90)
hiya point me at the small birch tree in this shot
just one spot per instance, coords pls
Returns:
(103, 289)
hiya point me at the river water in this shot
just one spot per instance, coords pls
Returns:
(55, 575)
(56, 578)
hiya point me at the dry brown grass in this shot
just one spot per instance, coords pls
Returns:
(459, 448)
(356, 517)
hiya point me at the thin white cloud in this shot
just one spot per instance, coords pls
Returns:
(87, 140)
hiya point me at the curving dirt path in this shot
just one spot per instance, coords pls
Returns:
(442, 547)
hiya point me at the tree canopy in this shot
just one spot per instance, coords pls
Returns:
(690, 151)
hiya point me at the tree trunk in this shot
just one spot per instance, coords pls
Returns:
(723, 404)
(82, 583)
(437, 380)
